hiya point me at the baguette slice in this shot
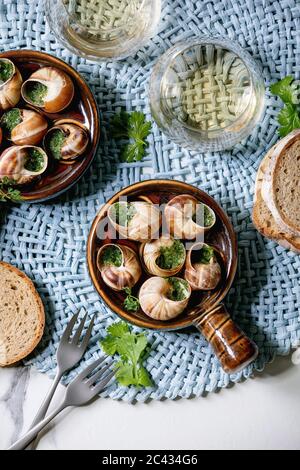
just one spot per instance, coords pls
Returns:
(22, 315)
(281, 188)
(262, 216)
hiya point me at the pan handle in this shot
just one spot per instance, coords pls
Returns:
(232, 347)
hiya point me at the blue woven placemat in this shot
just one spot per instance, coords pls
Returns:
(47, 241)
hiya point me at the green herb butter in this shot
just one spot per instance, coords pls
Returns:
(56, 143)
(35, 160)
(171, 257)
(122, 213)
(205, 255)
(179, 289)
(36, 93)
(10, 120)
(112, 256)
(204, 216)
(6, 71)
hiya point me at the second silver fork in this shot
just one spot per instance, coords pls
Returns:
(70, 351)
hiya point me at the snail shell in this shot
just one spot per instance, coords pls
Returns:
(59, 89)
(179, 214)
(202, 276)
(76, 139)
(10, 90)
(151, 251)
(144, 223)
(155, 302)
(13, 164)
(125, 275)
(31, 129)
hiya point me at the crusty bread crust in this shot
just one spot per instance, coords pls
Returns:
(262, 216)
(269, 182)
(39, 308)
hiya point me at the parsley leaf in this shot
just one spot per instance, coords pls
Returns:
(135, 128)
(7, 191)
(288, 119)
(286, 91)
(131, 303)
(131, 348)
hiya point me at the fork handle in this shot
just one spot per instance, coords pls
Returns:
(30, 435)
(45, 405)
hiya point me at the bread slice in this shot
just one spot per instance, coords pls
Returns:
(281, 188)
(262, 216)
(22, 315)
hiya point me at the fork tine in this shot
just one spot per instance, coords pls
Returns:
(83, 375)
(92, 380)
(68, 330)
(100, 386)
(88, 333)
(76, 337)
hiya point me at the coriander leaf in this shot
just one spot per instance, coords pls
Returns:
(120, 124)
(285, 90)
(125, 374)
(133, 152)
(144, 378)
(131, 303)
(132, 349)
(8, 192)
(118, 329)
(109, 345)
(134, 128)
(288, 119)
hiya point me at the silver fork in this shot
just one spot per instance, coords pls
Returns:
(68, 354)
(79, 392)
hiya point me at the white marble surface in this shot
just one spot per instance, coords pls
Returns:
(261, 413)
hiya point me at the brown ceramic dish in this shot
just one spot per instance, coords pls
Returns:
(59, 177)
(205, 310)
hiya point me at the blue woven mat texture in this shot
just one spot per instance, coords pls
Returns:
(48, 240)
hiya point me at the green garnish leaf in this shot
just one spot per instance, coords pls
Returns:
(286, 91)
(179, 289)
(289, 116)
(133, 127)
(8, 192)
(289, 119)
(131, 348)
(131, 303)
(171, 256)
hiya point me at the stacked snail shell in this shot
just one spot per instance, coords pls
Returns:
(30, 131)
(172, 272)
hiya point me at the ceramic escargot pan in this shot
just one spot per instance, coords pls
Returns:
(202, 307)
(76, 106)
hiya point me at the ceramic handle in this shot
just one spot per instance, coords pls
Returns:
(232, 347)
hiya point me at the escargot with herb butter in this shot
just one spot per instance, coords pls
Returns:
(119, 266)
(164, 298)
(23, 126)
(163, 257)
(139, 221)
(10, 84)
(202, 271)
(22, 164)
(67, 140)
(188, 218)
(50, 89)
